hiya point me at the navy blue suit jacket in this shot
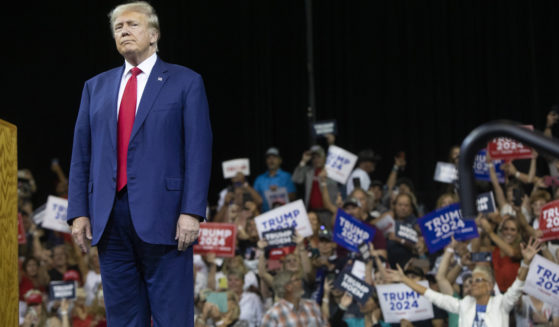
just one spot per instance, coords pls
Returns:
(169, 154)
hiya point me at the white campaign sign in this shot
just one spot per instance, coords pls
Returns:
(339, 164)
(445, 173)
(543, 280)
(55, 214)
(232, 167)
(398, 301)
(39, 214)
(286, 216)
(358, 269)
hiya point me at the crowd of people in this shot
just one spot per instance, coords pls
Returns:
(254, 289)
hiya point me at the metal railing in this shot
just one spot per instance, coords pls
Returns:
(478, 139)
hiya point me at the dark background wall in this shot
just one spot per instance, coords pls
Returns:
(415, 76)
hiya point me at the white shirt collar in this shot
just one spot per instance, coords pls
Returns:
(145, 66)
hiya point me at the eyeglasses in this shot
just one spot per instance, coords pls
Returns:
(479, 280)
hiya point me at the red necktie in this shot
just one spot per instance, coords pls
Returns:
(126, 116)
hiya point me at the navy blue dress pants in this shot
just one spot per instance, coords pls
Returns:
(143, 281)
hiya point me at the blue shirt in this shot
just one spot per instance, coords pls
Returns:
(264, 181)
(479, 320)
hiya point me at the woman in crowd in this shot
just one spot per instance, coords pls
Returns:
(446, 279)
(211, 315)
(250, 303)
(93, 277)
(32, 276)
(481, 308)
(446, 199)
(401, 250)
(535, 313)
(506, 255)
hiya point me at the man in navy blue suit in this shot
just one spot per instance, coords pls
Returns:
(139, 176)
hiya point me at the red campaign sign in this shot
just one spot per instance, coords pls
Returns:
(549, 221)
(218, 238)
(507, 148)
(21, 239)
(279, 253)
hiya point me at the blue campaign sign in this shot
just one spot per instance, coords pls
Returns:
(360, 290)
(481, 170)
(438, 226)
(350, 232)
(486, 203)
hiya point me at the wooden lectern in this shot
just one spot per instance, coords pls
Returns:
(8, 225)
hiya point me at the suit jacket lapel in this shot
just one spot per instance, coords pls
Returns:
(114, 86)
(156, 79)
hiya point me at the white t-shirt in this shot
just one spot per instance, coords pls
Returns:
(364, 179)
(252, 309)
(91, 286)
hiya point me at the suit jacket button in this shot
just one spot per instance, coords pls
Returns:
(132, 177)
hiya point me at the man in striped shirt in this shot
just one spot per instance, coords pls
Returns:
(290, 310)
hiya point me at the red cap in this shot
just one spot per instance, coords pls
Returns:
(33, 297)
(71, 275)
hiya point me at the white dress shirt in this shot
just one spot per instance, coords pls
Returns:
(145, 66)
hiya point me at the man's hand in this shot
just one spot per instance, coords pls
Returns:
(81, 229)
(400, 162)
(187, 231)
(307, 156)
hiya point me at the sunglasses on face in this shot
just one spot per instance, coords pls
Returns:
(478, 280)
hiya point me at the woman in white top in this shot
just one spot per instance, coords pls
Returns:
(481, 308)
(251, 305)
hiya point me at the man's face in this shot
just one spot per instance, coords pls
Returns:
(313, 219)
(362, 197)
(325, 247)
(537, 207)
(354, 210)
(134, 38)
(296, 285)
(368, 166)
(403, 207)
(377, 191)
(59, 256)
(318, 160)
(273, 162)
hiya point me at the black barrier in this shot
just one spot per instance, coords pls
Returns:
(478, 140)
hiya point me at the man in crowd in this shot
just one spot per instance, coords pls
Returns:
(139, 175)
(354, 207)
(366, 164)
(309, 176)
(274, 179)
(291, 309)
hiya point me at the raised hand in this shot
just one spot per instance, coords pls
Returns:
(262, 244)
(530, 250)
(328, 285)
(297, 238)
(395, 276)
(485, 225)
(346, 300)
